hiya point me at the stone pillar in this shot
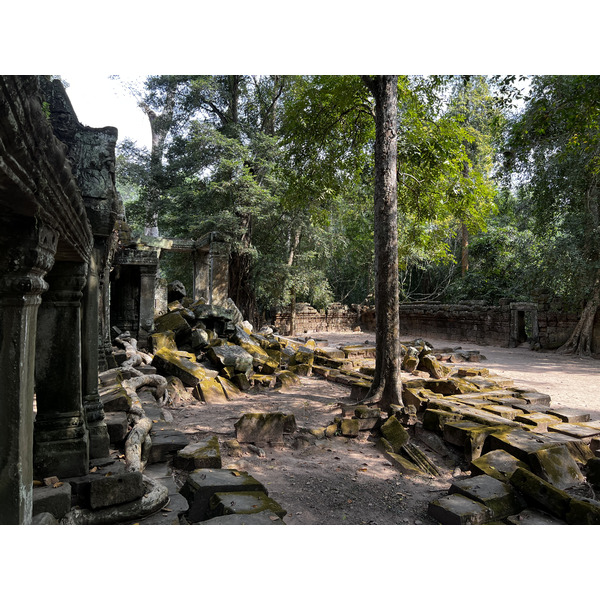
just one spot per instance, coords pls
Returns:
(26, 254)
(61, 441)
(147, 288)
(93, 408)
(219, 272)
(201, 275)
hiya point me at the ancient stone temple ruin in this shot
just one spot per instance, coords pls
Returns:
(65, 274)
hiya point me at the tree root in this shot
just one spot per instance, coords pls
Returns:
(156, 497)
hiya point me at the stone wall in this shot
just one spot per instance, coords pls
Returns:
(337, 317)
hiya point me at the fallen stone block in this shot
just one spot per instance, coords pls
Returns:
(400, 463)
(241, 381)
(570, 415)
(260, 428)
(286, 379)
(263, 381)
(265, 517)
(115, 489)
(231, 390)
(469, 436)
(162, 339)
(556, 466)
(202, 484)
(581, 432)
(457, 509)
(579, 448)
(498, 464)
(537, 422)
(349, 427)
(53, 500)
(394, 433)
(506, 412)
(583, 511)
(332, 430)
(115, 399)
(359, 390)
(235, 503)
(540, 493)
(498, 496)
(518, 442)
(434, 420)
(169, 362)
(530, 516)
(209, 390)
(419, 458)
(165, 444)
(116, 425)
(201, 455)
(174, 322)
(533, 397)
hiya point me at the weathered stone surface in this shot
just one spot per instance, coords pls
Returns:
(434, 420)
(177, 391)
(556, 466)
(168, 362)
(498, 464)
(231, 391)
(430, 364)
(506, 412)
(583, 512)
(116, 425)
(241, 381)
(265, 517)
(53, 500)
(540, 493)
(44, 518)
(459, 510)
(533, 517)
(400, 463)
(287, 379)
(163, 339)
(570, 415)
(199, 338)
(537, 422)
(332, 430)
(231, 356)
(359, 391)
(115, 489)
(592, 469)
(235, 503)
(260, 428)
(170, 514)
(175, 291)
(209, 390)
(165, 444)
(518, 442)
(498, 496)
(203, 483)
(350, 427)
(394, 433)
(201, 455)
(174, 322)
(115, 399)
(581, 432)
(469, 436)
(265, 381)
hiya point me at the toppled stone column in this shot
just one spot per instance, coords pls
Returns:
(26, 253)
(61, 442)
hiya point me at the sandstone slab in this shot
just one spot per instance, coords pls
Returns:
(457, 509)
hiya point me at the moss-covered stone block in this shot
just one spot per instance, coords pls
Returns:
(162, 339)
(431, 365)
(332, 430)
(201, 455)
(230, 356)
(263, 381)
(531, 516)
(457, 509)
(231, 390)
(556, 466)
(241, 381)
(518, 442)
(209, 390)
(401, 464)
(538, 422)
(168, 362)
(498, 464)
(468, 435)
(173, 321)
(583, 511)
(286, 379)
(393, 431)
(236, 503)
(498, 496)
(300, 369)
(414, 397)
(540, 493)
(434, 420)
(115, 399)
(202, 484)
(349, 427)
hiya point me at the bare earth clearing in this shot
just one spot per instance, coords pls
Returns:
(347, 480)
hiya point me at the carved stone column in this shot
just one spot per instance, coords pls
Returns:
(93, 408)
(147, 287)
(61, 441)
(26, 253)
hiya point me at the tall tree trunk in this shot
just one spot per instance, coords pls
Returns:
(386, 388)
(580, 341)
(464, 244)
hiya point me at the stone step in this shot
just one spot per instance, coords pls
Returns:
(166, 443)
(232, 503)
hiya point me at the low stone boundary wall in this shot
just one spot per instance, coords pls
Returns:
(337, 317)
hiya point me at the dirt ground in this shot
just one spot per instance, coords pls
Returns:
(347, 480)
